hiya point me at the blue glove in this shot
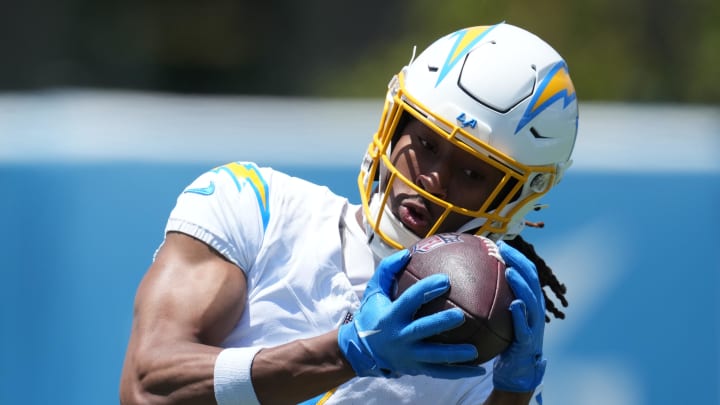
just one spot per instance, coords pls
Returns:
(384, 340)
(522, 366)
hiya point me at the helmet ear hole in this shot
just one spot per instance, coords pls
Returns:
(540, 182)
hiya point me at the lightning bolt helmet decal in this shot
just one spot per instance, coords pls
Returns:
(466, 40)
(556, 85)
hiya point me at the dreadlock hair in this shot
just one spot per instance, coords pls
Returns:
(546, 276)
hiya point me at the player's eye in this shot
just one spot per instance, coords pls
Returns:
(426, 144)
(472, 174)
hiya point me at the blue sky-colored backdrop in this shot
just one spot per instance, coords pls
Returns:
(636, 247)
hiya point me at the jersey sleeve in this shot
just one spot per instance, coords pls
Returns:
(228, 209)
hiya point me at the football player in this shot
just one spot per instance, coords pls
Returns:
(270, 289)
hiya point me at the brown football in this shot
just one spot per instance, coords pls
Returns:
(477, 286)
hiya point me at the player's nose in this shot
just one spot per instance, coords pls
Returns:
(434, 182)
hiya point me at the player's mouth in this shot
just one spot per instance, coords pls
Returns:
(415, 216)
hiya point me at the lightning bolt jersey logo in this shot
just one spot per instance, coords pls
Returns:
(465, 41)
(556, 85)
(244, 174)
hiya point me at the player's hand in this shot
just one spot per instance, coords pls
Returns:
(522, 366)
(384, 340)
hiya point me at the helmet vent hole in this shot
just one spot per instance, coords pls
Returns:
(533, 67)
(536, 134)
(433, 68)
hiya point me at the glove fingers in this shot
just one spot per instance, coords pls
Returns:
(433, 324)
(425, 290)
(439, 353)
(453, 372)
(386, 271)
(513, 258)
(523, 333)
(533, 301)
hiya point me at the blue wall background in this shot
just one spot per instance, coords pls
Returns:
(87, 182)
(77, 238)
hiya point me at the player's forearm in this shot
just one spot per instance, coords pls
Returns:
(498, 397)
(171, 374)
(299, 370)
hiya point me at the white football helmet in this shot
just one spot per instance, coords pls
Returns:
(497, 92)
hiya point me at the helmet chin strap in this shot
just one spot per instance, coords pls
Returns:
(516, 225)
(390, 226)
(474, 223)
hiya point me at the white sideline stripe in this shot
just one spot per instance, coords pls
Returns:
(634, 137)
(108, 126)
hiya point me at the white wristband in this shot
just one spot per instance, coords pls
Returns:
(232, 382)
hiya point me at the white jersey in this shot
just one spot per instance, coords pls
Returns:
(291, 239)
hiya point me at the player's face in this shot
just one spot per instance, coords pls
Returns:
(441, 169)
